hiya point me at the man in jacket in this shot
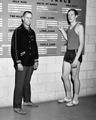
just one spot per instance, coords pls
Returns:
(24, 52)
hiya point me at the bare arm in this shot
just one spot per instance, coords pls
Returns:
(61, 29)
(81, 40)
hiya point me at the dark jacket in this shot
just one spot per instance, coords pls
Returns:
(23, 46)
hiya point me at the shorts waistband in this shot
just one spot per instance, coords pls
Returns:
(72, 50)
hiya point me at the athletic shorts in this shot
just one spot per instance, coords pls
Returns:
(70, 56)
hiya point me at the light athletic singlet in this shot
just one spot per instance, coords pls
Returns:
(73, 39)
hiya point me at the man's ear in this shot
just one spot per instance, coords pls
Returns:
(22, 18)
(76, 16)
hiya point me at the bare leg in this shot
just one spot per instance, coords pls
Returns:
(75, 77)
(66, 68)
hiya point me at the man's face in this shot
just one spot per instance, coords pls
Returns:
(71, 16)
(27, 19)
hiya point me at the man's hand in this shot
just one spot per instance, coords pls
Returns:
(35, 66)
(60, 27)
(75, 63)
(20, 67)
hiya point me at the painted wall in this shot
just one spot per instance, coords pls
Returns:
(46, 81)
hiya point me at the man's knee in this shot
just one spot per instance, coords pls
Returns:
(65, 77)
(75, 78)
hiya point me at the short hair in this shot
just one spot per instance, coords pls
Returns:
(26, 12)
(75, 12)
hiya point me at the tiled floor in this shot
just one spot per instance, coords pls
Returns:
(86, 110)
